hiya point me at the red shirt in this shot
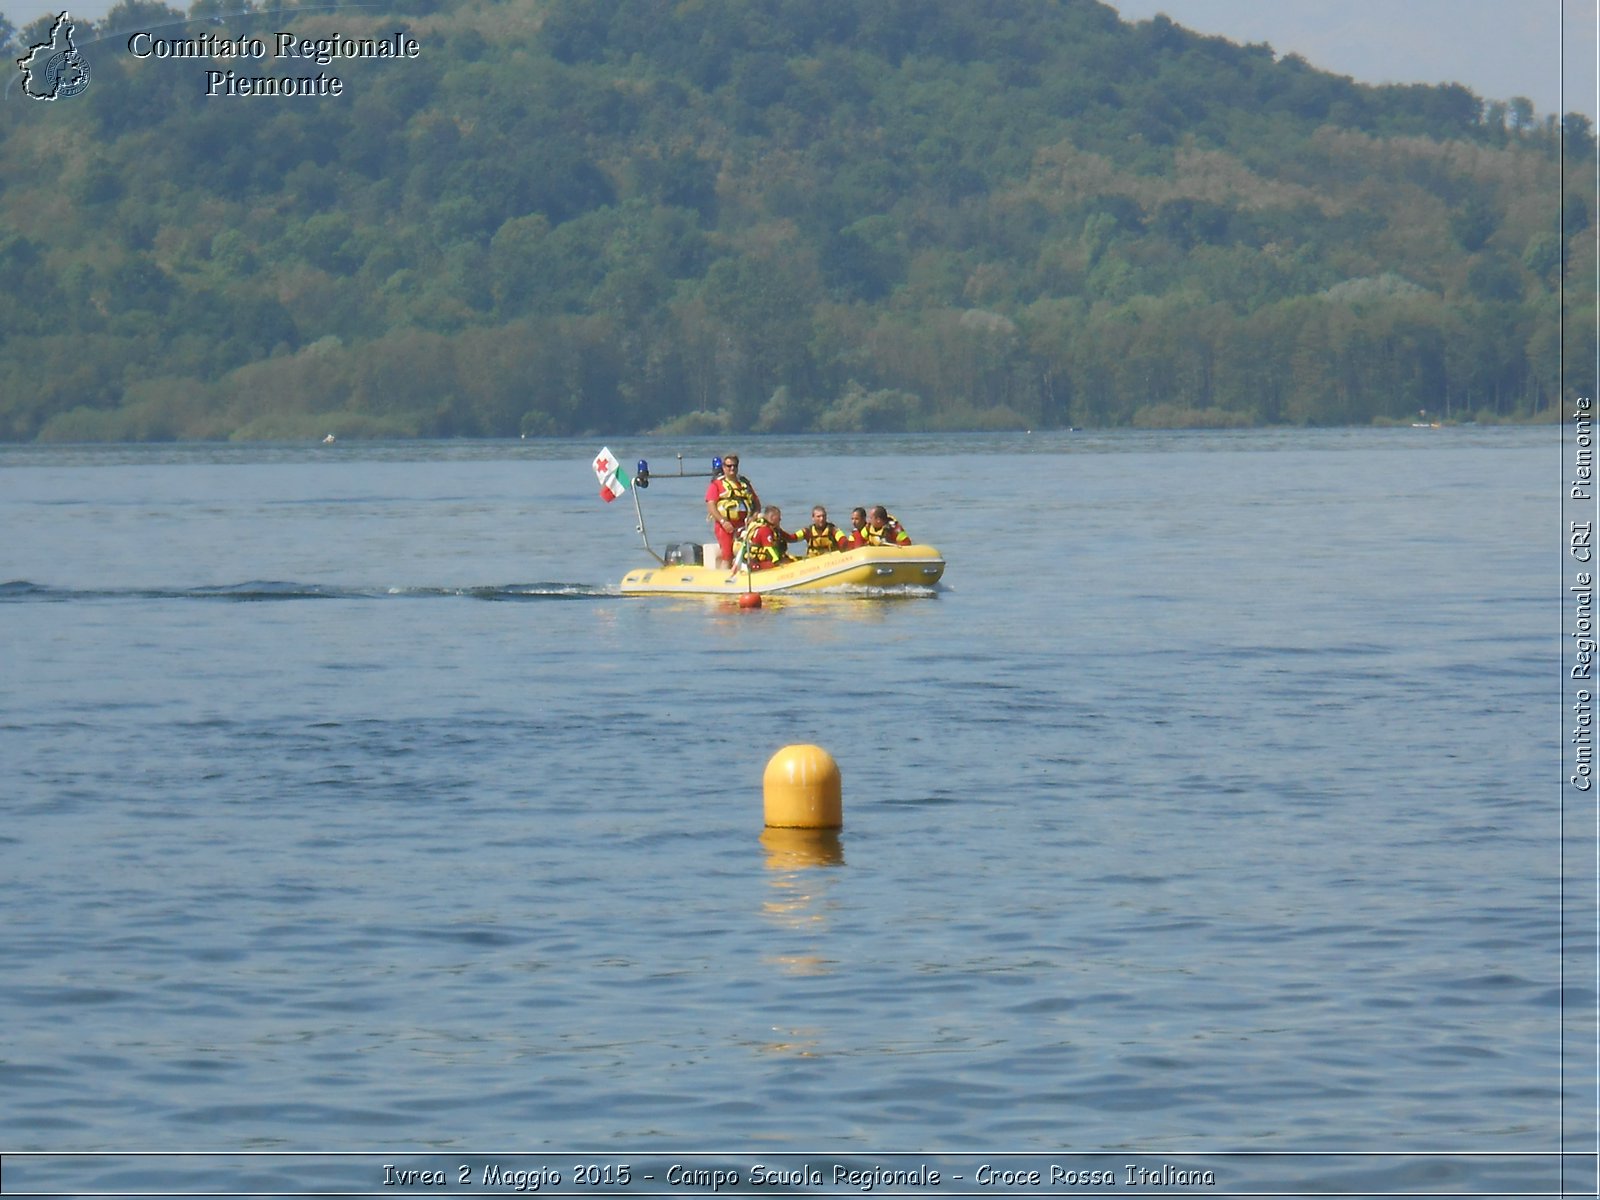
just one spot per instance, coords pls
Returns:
(765, 549)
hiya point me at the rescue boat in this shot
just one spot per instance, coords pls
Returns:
(689, 568)
(683, 571)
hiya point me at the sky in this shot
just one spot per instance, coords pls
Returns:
(1498, 48)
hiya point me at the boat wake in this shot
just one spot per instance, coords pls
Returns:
(23, 591)
(870, 591)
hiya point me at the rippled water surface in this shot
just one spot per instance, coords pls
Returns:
(1210, 804)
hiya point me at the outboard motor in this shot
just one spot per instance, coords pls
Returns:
(684, 554)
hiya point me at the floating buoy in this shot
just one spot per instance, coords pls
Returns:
(749, 599)
(800, 789)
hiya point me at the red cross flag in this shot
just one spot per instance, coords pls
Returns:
(613, 479)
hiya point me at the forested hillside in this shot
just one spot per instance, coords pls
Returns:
(774, 215)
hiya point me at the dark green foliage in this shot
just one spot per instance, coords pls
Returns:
(781, 215)
(1574, 213)
(1193, 222)
(1473, 224)
(1495, 278)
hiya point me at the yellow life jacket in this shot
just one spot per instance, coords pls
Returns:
(890, 535)
(737, 499)
(756, 555)
(819, 539)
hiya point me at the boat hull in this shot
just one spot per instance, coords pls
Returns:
(873, 567)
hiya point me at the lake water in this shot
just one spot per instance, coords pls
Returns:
(1210, 812)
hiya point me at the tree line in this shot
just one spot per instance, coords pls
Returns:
(628, 215)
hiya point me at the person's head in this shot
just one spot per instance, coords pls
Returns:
(773, 515)
(879, 517)
(819, 516)
(858, 517)
(730, 464)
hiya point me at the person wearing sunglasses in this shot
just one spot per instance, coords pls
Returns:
(730, 500)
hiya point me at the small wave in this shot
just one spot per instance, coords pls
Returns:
(512, 591)
(257, 590)
(261, 589)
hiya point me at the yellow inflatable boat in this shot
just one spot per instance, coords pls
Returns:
(683, 569)
(683, 572)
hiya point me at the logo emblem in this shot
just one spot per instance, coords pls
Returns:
(55, 70)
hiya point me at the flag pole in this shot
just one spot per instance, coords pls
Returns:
(640, 512)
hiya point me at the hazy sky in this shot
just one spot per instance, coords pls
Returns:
(1498, 48)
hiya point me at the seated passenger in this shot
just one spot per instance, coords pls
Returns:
(766, 544)
(883, 530)
(821, 536)
(853, 537)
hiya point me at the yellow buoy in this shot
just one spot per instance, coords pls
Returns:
(801, 789)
